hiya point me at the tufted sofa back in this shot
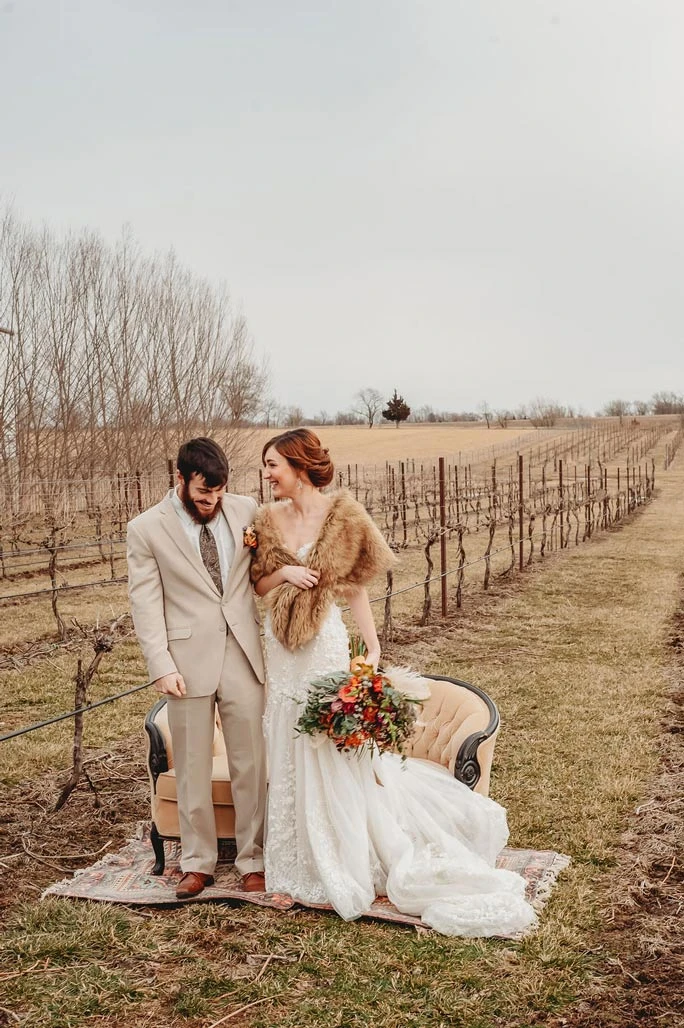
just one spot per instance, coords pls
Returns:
(449, 716)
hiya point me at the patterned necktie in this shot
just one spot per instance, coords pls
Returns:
(210, 557)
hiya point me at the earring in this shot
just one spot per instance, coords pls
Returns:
(299, 484)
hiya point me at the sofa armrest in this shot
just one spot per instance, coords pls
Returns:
(467, 767)
(157, 759)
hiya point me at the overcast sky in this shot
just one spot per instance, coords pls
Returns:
(468, 200)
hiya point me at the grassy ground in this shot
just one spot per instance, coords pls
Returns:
(576, 654)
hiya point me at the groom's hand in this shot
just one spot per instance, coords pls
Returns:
(170, 685)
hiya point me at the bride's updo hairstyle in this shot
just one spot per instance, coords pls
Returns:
(302, 449)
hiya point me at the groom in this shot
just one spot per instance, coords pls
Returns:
(195, 618)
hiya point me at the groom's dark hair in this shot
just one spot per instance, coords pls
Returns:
(204, 457)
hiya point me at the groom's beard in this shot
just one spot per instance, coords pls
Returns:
(202, 515)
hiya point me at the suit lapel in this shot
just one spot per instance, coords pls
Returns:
(237, 528)
(172, 525)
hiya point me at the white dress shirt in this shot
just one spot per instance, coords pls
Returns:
(219, 528)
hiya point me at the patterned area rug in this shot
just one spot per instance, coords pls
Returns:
(125, 877)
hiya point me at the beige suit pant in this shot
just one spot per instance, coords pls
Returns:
(240, 702)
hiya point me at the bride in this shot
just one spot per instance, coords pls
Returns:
(343, 828)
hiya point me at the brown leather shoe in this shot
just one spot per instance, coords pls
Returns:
(254, 882)
(192, 884)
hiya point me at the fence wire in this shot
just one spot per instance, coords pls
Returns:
(460, 568)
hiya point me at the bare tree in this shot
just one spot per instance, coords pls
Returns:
(544, 413)
(294, 416)
(667, 403)
(368, 403)
(114, 358)
(271, 412)
(348, 417)
(617, 409)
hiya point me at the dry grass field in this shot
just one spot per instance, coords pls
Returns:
(583, 654)
(350, 444)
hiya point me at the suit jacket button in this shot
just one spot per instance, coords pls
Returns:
(222, 628)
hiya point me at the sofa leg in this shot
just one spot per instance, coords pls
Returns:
(158, 847)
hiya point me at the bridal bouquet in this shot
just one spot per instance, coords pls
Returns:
(363, 708)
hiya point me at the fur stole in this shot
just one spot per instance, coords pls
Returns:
(348, 553)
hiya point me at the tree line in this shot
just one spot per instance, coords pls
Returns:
(369, 407)
(108, 356)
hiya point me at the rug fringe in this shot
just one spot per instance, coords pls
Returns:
(548, 880)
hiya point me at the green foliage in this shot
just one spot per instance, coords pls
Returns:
(397, 409)
(357, 647)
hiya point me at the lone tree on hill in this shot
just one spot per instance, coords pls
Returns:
(396, 410)
(368, 404)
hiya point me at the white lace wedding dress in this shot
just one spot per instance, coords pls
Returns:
(343, 829)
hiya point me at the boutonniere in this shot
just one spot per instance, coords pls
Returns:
(249, 537)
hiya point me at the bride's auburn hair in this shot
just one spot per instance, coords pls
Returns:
(302, 449)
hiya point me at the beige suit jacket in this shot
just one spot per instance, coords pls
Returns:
(180, 617)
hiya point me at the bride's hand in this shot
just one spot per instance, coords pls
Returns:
(303, 578)
(373, 658)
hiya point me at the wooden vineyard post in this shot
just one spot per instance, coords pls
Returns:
(403, 505)
(442, 539)
(520, 511)
(560, 498)
(387, 620)
(119, 483)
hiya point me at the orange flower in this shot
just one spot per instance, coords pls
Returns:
(356, 739)
(349, 691)
(249, 537)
